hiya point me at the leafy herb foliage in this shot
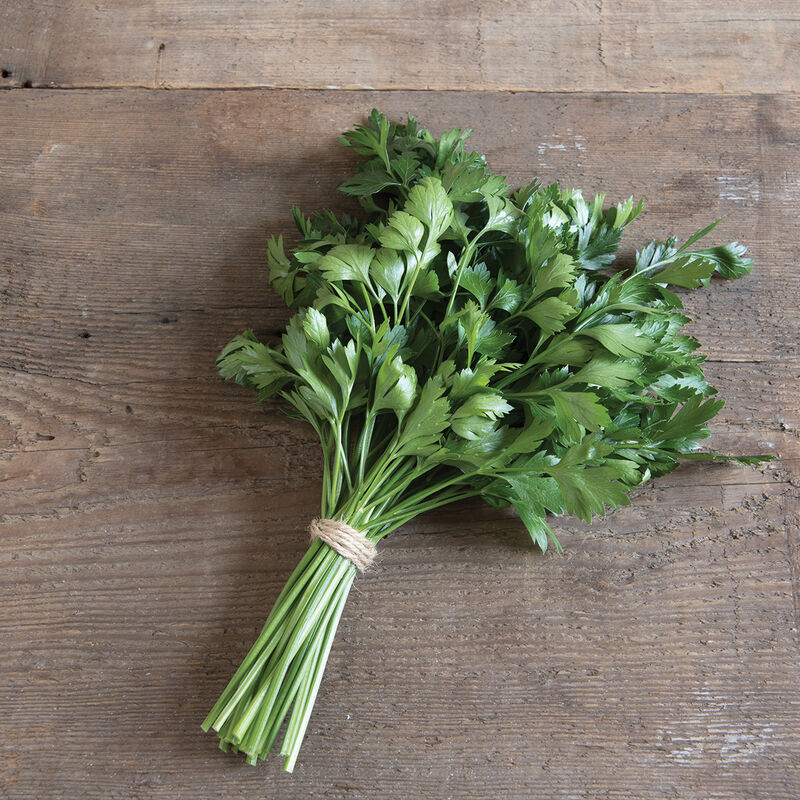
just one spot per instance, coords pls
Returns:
(462, 340)
(467, 340)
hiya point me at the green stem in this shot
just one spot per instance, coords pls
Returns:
(410, 289)
(295, 734)
(299, 578)
(306, 620)
(258, 657)
(466, 256)
(369, 306)
(362, 448)
(406, 512)
(280, 677)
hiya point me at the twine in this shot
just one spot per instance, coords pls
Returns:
(346, 541)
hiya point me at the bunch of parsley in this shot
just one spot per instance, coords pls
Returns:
(462, 341)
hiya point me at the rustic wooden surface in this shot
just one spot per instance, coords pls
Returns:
(544, 45)
(151, 513)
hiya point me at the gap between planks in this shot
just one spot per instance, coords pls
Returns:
(481, 90)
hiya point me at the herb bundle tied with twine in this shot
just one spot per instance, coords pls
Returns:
(459, 340)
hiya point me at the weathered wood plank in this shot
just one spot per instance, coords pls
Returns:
(151, 513)
(207, 175)
(524, 44)
(657, 655)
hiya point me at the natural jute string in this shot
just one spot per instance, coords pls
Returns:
(346, 541)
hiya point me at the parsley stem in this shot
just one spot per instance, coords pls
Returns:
(466, 257)
(405, 513)
(369, 306)
(410, 289)
(362, 448)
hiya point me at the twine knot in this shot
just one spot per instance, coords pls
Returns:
(346, 541)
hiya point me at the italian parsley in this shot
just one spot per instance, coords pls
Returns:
(461, 340)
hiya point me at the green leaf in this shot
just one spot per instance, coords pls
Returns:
(342, 363)
(682, 384)
(623, 339)
(533, 497)
(700, 234)
(478, 282)
(403, 232)
(320, 396)
(316, 328)
(295, 344)
(565, 351)
(388, 341)
(508, 297)
(347, 262)
(687, 424)
(463, 180)
(624, 213)
(469, 455)
(370, 139)
(550, 314)
(430, 417)
(395, 387)
(405, 167)
(253, 364)
(476, 416)
(470, 380)
(387, 269)
(429, 203)
(503, 214)
(540, 240)
(654, 254)
(587, 490)
(607, 372)
(480, 333)
(599, 251)
(531, 436)
(583, 408)
(558, 273)
(451, 144)
(371, 179)
(689, 271)
(426, 285)
(729, 260)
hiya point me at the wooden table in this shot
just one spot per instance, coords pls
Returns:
(151, 512)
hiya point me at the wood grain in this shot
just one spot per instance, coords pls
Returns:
(627, 45)
(151, 513)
